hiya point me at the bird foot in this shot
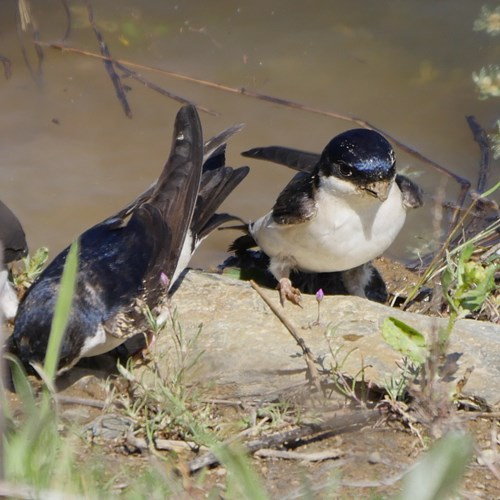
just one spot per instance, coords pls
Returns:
(288, 292)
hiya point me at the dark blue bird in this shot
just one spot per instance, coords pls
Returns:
(14, 247)
(344, 208)
(128, 262)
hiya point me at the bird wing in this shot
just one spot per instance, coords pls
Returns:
(303, 161)
(411, 192)
(296, 204)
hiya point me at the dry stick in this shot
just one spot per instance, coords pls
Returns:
(313, 374)
(335, 425)
(161, 90)
(25, 22)
(481, 137)
(318, 456)
(73, 400)
(108, 63)
(67, 13)
(7, 66)
(464, 183)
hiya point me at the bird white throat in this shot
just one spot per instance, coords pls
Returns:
(349, 229)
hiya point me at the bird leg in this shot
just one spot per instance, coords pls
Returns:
(288, 292)
(356, 280)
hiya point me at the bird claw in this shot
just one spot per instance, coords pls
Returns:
(288, 292)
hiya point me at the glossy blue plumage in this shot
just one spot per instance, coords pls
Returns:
(127, 262)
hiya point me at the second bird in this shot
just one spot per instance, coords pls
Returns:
(343, 209)
(128, 262)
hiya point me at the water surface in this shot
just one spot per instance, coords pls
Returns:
(70, 157)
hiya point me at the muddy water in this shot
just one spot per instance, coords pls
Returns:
(69, 156)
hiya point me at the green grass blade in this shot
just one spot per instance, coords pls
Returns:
(440, 472)
(62, 311)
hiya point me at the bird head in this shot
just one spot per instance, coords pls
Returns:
(359, 161)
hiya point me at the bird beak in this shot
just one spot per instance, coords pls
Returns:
(379, 189)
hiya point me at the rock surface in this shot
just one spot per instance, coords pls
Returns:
(245, 346)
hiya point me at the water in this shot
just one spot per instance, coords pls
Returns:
(70, 157)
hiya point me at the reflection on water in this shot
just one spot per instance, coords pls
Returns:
(70, 157)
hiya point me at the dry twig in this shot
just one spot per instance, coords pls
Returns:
(318, 456)
(7, 66)
(108, 63)
(464, 183)
(312, 371)
(336, 425)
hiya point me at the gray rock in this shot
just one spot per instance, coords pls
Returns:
(245, 346)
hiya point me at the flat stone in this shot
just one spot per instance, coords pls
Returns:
(243, 344)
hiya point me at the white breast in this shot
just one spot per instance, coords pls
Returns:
(346, 232)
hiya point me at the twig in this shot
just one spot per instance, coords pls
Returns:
(313, 374)
(227, 402)
(149, 84)
(108, 63)
(26, 22)
(318, 456)
(70, 400)
(389, 481)
(336, 425)
(481, 137)
(464, 183)
(7, 66)
(67, 13)
(494, 415)
(165, 444)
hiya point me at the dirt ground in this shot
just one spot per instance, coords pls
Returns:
(364, 461)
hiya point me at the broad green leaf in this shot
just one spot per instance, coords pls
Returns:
(404, 339)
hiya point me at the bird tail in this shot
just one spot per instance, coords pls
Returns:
(176, 190)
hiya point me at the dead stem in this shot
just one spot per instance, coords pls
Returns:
(481, 137)
(464, 183)
(337, 425)
(26, 24)
(313, 374)
(7, 66)
(108, 63)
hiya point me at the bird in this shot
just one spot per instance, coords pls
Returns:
(12, 235)
(14, 247)
(342, 209)
(129, 262)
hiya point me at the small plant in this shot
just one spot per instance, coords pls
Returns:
(158, 400)
(468, 284)
(32, 267)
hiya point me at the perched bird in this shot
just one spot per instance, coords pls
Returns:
(344, 208)
(128, 262)
(11, 235)
(13, 242)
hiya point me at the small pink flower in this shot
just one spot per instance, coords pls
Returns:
(319, 295)
(164, 280)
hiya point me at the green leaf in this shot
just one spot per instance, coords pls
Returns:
(404, 339)
(61, 311)
(474, 299)
(439, 473)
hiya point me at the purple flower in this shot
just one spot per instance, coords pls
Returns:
(164, 280)
(319, 295)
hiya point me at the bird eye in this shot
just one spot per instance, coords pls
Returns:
(345, 171)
